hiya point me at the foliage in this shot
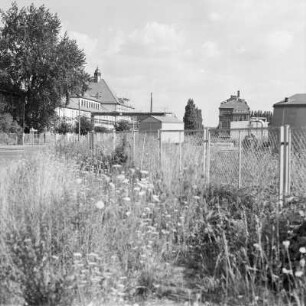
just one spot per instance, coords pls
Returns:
(85, 124)
(192, 117)
(265, 114)
(101, 129)
(37, 63)
(8, 125)
(63, 127)
(122, 125)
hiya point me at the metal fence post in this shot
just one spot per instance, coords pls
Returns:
(208, 158)
(287, 160)
(160, 147)
(180, 150)
(134, 147)
(239, 160)
(281, 164)
(114, 140)
(204, 149)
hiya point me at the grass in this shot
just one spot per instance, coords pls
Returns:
(84, 228)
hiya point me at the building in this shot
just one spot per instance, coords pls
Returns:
(291, 110)
(172, 128)
(232, 110)
(98, 98)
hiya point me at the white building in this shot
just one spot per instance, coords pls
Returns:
(98, 98)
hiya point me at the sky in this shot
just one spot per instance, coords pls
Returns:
(206, 50)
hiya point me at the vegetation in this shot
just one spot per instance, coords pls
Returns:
(265, 114)
(193, 117)
(38, 64)
(85, 126)
(122, 126)
(81, 227)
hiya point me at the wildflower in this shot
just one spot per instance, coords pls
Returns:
(286, 244)
(286, 271)
(257, 246)
(77, 254)
(121, 177)
(100, 205)
(298, 273)
(79, 181)
(117, 166)
(196, 197)
(128, 213)
(112, 185)
(155, 198)
(144, 172)
(302, 250)
(126, 199)
(55, 257)
(302, 262)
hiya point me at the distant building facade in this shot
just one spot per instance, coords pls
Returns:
(98, 98)
(232, 110)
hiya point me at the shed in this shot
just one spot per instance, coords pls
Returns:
(290, 111)
(172, 129)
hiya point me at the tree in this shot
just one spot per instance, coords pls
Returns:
(122, 125)
(8, 124)
(39, 64)
(86, 126)
(63, 127)
(193, 117)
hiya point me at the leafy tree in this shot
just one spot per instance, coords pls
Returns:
(122, 125)
(63, 127)
(193, 117)
(86, 126)
(265, 114)
(8, 124)
(36, 62)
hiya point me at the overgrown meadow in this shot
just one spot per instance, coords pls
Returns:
(89, 228)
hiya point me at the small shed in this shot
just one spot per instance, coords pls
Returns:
(291, 110)
(172, 129)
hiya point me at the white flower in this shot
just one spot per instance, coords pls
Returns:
(286, 244)
(79, 181)
(100, 204)
(121, 177)
(128, 213)
(126, 199)
(302, 250)
(302, 262)
(77, 254)
(112, 185)
(155, 198)
(298, 273)
(286, 271)
(257, 246)
(117, 166)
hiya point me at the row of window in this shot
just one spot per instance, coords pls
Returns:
(89, 104)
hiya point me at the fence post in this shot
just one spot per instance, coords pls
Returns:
(134, 147)
(239, 160)
(204, 149)
(143, 148)
(281, 164)
(160, 147)
(180, 150)
(287, 160)
(114, 140)
(208, 158)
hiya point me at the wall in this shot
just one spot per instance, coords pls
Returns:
(294, 115)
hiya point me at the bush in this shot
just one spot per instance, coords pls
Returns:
(86, 126)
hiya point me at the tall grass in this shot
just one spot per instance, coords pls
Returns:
(77, 227)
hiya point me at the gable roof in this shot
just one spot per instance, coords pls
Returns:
(166, 119)
(102, 92)
(297, 99)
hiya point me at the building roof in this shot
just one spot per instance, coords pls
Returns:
(102, 92)
(235, 103)
(166, 119)
(297, 99)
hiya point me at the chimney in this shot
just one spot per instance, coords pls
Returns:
(286, 99)
(238, 94)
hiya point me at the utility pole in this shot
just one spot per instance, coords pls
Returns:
(151, 108)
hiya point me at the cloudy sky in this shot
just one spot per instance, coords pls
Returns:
(200, 49)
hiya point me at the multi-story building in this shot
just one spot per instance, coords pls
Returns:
(233, 109)
(98, 98)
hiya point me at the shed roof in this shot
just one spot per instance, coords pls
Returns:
(297, 99)
(166, 119)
